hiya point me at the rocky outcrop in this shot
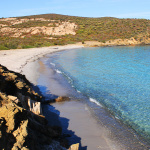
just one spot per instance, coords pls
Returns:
(17, 85)
(140, 40)
(61, 28)
(14, 21)
(21, 124)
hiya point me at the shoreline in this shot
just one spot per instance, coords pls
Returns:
(16, 59)
(75, 116)
(118, 135)
(28, 65)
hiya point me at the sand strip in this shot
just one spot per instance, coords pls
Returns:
(17, 59)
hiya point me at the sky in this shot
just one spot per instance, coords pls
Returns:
(83, 8)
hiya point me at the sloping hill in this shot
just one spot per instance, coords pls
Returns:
(53, 29)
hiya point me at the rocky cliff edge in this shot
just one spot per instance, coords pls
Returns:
(22, 125)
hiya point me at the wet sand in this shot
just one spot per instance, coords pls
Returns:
(81, 122)
(75, 116)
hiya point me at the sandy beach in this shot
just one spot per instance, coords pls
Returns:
(16, 59)
(75, 116)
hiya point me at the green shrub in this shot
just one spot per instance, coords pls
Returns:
(38, 44)
(70, 42)
(103, 41)
(3, 47)
(12, 45)
(27, 46)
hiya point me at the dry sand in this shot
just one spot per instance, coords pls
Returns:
(80, 120)
(19, 59)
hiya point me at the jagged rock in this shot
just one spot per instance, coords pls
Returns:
(21, 126)
(35, 107)
(13, 98)
(30, 104)
(13, 83)
(55, 146)
(17, 85)
(74, 147)
(3, 99)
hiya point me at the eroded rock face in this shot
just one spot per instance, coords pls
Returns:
(30, 104)
(21, 124)
(61, 28)
(17, 85)
(120, 42)
(23, 129)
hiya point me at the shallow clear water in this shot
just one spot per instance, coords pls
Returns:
(118, 78)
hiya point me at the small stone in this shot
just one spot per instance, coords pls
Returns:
(62, 98)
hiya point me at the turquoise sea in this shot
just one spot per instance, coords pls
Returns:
(116, 78)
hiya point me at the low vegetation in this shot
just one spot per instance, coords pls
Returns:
(88, 29)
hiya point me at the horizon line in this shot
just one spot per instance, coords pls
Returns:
(75, 16)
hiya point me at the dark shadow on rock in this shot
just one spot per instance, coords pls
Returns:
(7, 140)
(36, 89)
(54, 119)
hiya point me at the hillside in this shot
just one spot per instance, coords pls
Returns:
(53, 29)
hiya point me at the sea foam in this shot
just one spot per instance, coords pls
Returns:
(53, 64)
(58, 71)
(95, 101)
